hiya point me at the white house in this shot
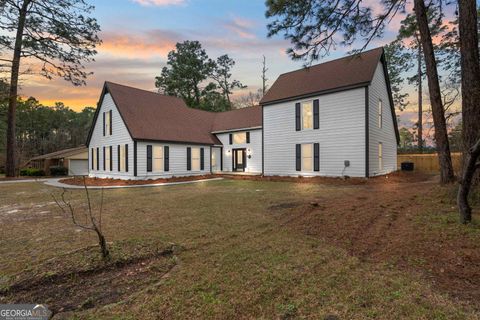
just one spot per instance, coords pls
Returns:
(332, 119)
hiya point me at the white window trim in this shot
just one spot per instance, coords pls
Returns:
(107, 123)
(302, 157)
(162, 166)
(194, 159)
(108, 156)
(301, 115)
(123, 161)
(244, 133)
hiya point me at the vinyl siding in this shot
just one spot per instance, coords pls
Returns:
(254, 164)
(178, 161)
(120, 135)
(341, 135)
(385, 134)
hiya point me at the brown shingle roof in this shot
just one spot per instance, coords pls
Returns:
(249, 117)
(341, 73)
(61, 153)
(152, 116)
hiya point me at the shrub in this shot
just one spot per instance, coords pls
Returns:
(32, 172)
(58, 171)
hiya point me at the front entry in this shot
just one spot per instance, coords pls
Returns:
(239, 159)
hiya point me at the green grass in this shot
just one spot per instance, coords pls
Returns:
(237, 260)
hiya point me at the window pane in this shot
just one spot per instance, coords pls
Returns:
(214, 159)
(239, 138)
(380, 110)
(107, 158)
(307, 157)
(380, 156)
(157, 158)
(307, 115)
(122, 158)
(195, 159)
(107, 123)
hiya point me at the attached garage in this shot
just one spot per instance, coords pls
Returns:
(78, 167)
(74, 159)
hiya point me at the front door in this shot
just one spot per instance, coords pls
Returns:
(239, 160)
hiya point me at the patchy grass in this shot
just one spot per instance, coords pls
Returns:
(241, 249)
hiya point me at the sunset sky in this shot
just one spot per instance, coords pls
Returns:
(138, 34)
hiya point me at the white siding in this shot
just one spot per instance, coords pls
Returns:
(385, 134)
(341, 135)
(119, 135)
(254, 163)
(178, 161)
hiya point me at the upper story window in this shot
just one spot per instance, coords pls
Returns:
(239, 137)
(307, 115)
(107, 123)
(380, 113)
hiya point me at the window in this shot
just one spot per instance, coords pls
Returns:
(307, 157)
(380, 156)
(196, 159)
(214, 159)
(157, 158)
(307, 115)
(380, 110)
(94, 159)
(107, 159)
(122, 158)
(108, 122)
(239, 138)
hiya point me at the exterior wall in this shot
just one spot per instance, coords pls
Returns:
(341, 135)
(254, 163)
(177, 162)
(120, 135)
(386, 134)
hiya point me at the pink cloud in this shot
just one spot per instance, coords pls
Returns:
(159, 3)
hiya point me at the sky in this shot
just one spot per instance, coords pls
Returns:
(138, 34)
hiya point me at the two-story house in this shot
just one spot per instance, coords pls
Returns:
(332, 119)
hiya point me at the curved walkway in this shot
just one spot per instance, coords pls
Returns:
(55, 182)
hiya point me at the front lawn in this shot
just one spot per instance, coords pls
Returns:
(244, 249)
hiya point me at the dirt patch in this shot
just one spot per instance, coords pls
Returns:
(410, 226)
(78, 181)
(392, 178)
(79, 280)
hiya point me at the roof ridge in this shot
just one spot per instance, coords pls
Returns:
(330, 61)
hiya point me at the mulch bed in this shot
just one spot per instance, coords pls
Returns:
(103, 182)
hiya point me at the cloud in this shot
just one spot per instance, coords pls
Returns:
(144, 44)
(241, 27)
(159, 3)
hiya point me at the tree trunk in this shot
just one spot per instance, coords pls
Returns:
(13, 93)
(468, 172)
(470, 75)
(441, 137)
(420, 99)
(103, 244)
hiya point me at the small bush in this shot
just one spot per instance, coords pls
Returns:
(32, 172)
(58, 171)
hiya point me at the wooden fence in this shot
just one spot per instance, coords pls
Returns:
(428, 162)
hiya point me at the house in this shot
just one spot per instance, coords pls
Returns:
(74, 159)
(332, 119)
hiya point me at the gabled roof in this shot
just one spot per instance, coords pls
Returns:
(343, 73)
(153, 116)
(61, 153)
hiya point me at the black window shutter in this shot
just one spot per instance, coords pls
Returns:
(110, 121)
(93, 163)
(126, 158)
(98, 158)
(111, 158)
(230, 138)
(248, 136)
(189, 158)
(202, 159)
(149, 158)
(298, 157)
(316, 114)
(104, 164)
(118, 158)
(316, 157)
(297, 117)
(166, 158)
(104, 124)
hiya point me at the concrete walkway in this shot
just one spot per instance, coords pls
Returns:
(26, 180)
(58, 184)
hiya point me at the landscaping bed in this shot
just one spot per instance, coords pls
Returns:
(104, 182)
